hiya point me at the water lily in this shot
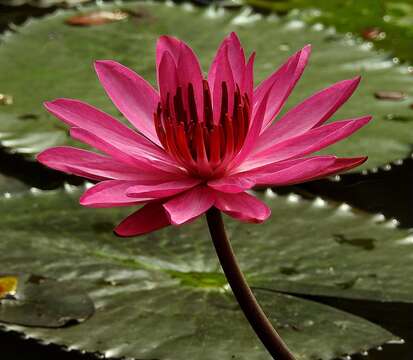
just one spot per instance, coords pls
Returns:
(200, 143)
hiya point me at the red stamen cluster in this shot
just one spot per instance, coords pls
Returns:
(202, 145)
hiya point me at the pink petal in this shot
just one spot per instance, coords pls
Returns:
(132, 95)
(230, 57)
(98, 143)
(232, 184)
(189, 72)
(189, 205)
(109, 193)
(164, 189)
(236, 57)
(149, 218)
(312, 141)
(284, 80)
(232, 50)
(305, 170)
(88, 164)
(267, 168)
(241, 179)
(78, 114)
(220, 73)
(248, 79)
(341, 165)
(167, 44)
(311, 113)
(120, 153)
(215, 65)
(243, 207)
(168, 79)
(285, 172)
(252, 136)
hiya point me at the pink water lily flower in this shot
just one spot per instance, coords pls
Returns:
(200, 142)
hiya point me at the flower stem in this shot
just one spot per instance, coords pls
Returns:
(246, 299)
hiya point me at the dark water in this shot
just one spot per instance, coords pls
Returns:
(395, 317)
(389, 192)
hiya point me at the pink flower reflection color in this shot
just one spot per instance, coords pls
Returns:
(200, 142)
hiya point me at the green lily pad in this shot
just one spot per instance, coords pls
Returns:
(9, 185)
(163, 295)
(387, 23)
(33, 300)
(61, 59)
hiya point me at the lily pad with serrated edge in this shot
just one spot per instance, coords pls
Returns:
(61, 58)
(43, 302)
(163, 295)
(387, 23)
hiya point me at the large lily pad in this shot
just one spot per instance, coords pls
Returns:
(163, 295)
(61, 59)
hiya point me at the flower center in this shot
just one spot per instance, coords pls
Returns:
(203, 146)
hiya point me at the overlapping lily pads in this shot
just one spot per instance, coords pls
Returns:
(163, 295)
(47, 58)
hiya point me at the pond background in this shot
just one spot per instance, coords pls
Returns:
(389, 25)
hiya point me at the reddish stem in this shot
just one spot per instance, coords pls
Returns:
(246, 299)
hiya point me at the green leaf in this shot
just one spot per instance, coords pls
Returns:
(61, 59)
(9, 185)
(163, 295)
(387, 23)
(38, 301)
